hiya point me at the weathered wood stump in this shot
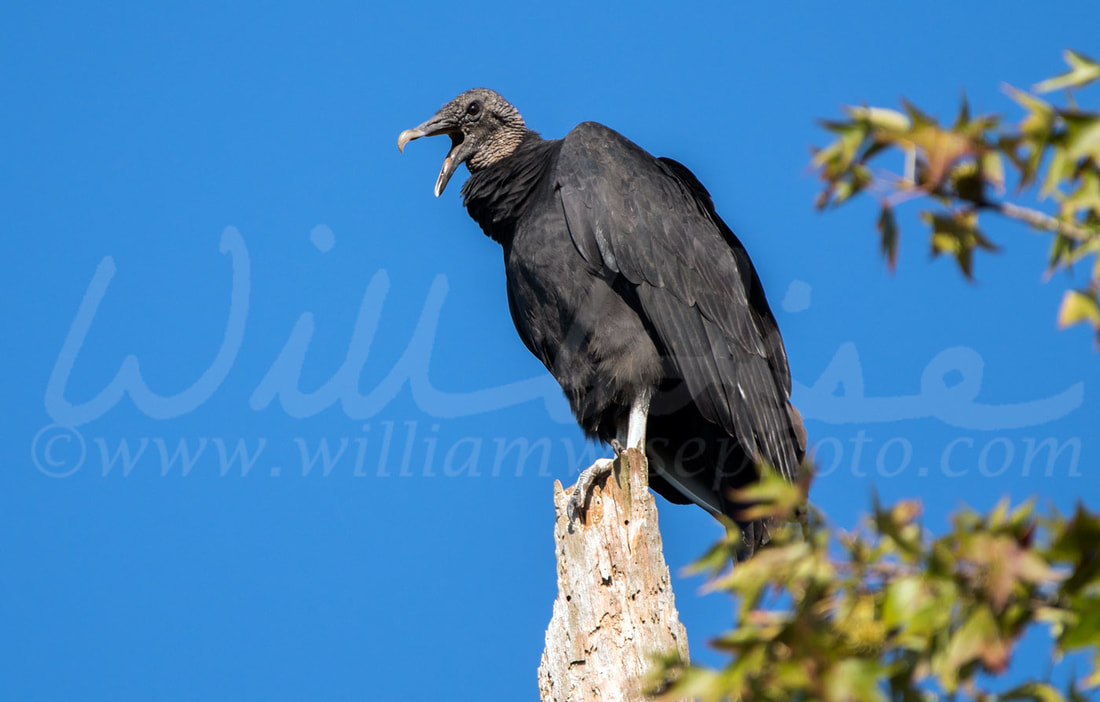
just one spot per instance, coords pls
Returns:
(615, 608)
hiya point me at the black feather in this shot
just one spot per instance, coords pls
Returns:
(621, 276)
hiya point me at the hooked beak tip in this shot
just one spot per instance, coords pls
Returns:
(406, 136)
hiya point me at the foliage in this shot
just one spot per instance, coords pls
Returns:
(962, 169)
(890, 613)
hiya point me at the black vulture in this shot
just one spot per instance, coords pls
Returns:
(623, 280)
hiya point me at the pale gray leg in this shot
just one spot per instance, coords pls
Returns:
(639, 415)
(635, 438)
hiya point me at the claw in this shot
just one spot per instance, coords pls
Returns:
(578, 501)
(617, 447)
(754, 536)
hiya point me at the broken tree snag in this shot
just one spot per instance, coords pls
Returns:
(615, 609)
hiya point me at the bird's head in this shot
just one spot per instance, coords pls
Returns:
(483, 127)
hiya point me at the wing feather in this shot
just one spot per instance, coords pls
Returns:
(651, 221)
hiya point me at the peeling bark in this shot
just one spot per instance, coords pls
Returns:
(615, 608)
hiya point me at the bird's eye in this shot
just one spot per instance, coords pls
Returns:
(473, 109)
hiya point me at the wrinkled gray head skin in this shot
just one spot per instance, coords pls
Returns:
(483, 127)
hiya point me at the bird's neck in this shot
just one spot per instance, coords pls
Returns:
(495, 195)
(503, 144)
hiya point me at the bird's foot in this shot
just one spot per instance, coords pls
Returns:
(617, 448)
(754, 536)
(578, 501)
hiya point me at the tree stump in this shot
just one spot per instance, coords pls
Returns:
(615, 608)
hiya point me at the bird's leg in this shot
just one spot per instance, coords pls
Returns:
(635, 438)
(639, 415)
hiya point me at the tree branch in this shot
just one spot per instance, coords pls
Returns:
(1040, 220)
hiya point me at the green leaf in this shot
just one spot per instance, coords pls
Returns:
(977, 639)
(1075, 541)
(890, 121)
(841, 152)
(958, 234)
(1061, 251)
(967, 182)
(1059, 169)
(888, 231)
(693, 683)
(941, 149)
(897, 524)
(1084, 629)
(1086, 197)
(920, 119)
(713, 561)
(1035, 691)
(963, 117)
(866, 621)
(1041, 110)
(1079, 306)
(855, 680)
(1082, 135)
(770, 496)
(859, 177)
(912, 606)
(993, 170)
(1093, 680)
(1082, 71)
(1029, 147)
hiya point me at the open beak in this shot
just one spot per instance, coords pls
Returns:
(439, 124)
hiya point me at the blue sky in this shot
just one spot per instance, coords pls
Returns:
(216, 257)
